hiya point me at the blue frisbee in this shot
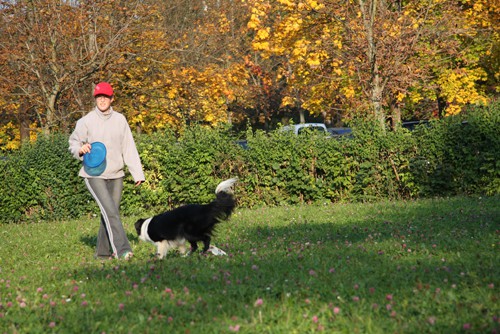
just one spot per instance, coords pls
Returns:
(94, 162)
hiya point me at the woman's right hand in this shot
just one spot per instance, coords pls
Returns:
(84, 149)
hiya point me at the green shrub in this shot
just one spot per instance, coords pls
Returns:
(284, 168)
(383, 160)
(459, 154)
(40, 183)
(456, 155)
(181, 170)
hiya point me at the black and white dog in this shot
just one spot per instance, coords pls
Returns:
(192, 223)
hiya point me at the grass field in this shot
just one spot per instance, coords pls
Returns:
(427, 266)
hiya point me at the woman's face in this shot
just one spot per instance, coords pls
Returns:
(103, 102)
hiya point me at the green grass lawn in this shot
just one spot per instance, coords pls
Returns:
(428, 266)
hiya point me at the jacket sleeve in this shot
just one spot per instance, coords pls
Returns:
(131, 155)
(77, 138)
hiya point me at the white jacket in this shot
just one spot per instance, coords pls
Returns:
(110, 128)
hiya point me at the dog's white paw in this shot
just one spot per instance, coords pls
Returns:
(216, 251)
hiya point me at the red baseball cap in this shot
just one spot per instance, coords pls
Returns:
(103, 88)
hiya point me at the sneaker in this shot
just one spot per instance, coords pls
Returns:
(127, 255)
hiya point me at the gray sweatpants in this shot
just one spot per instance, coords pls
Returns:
(112, 238)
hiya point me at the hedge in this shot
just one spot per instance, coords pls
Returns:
(454, 156)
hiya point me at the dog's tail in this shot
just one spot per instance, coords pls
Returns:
(226, 186)
(225, 203)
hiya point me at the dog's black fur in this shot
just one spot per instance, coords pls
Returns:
(191, 222)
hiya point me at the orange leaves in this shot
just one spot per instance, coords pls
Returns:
(304, 38)
(188, 95)
(181, 61)
(383, 49)
(483, 13)
(224, 24)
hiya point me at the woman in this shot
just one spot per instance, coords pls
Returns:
(109, 127)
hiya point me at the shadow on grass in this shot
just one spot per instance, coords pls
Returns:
(91, 240)
(398, 265)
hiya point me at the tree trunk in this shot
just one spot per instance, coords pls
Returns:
(377, 102)
(24, 122)
(229, 117)
(441, 104)
(395, 115)
(375, 85)
(302, 116)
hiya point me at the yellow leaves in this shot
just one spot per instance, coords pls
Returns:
(287, 3)
(10, 138)
(254, 22)
(452, 109)
(199, 95)
(258, 11)
(209, 118)
(224, 25)
(295, 24)
(309, 5)
(290, 25)
(348, 92)
(229, 94)
(415, 97)
(299, 51)
(172, 93)
(287, 101)
(315, 5)
(400, 96)
(313, 60)
(263, 33)
(458, 87)
(261, 46)
(478, 6)
(483, 14)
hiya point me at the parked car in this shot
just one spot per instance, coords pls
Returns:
(339, 132)
(410, 125)
(299, 128)
(242, 143)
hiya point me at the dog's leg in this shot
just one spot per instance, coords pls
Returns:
(194, 247)
(206, 244)
(162, 249)
(157, 244)
(181, 245)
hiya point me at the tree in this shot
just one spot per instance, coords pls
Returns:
(474, 72)
(291, 37)
(185, 65)
(54, 50)
(368, 56)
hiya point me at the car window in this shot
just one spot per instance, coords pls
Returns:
(316, 129)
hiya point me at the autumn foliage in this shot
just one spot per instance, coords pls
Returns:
(180, 62)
